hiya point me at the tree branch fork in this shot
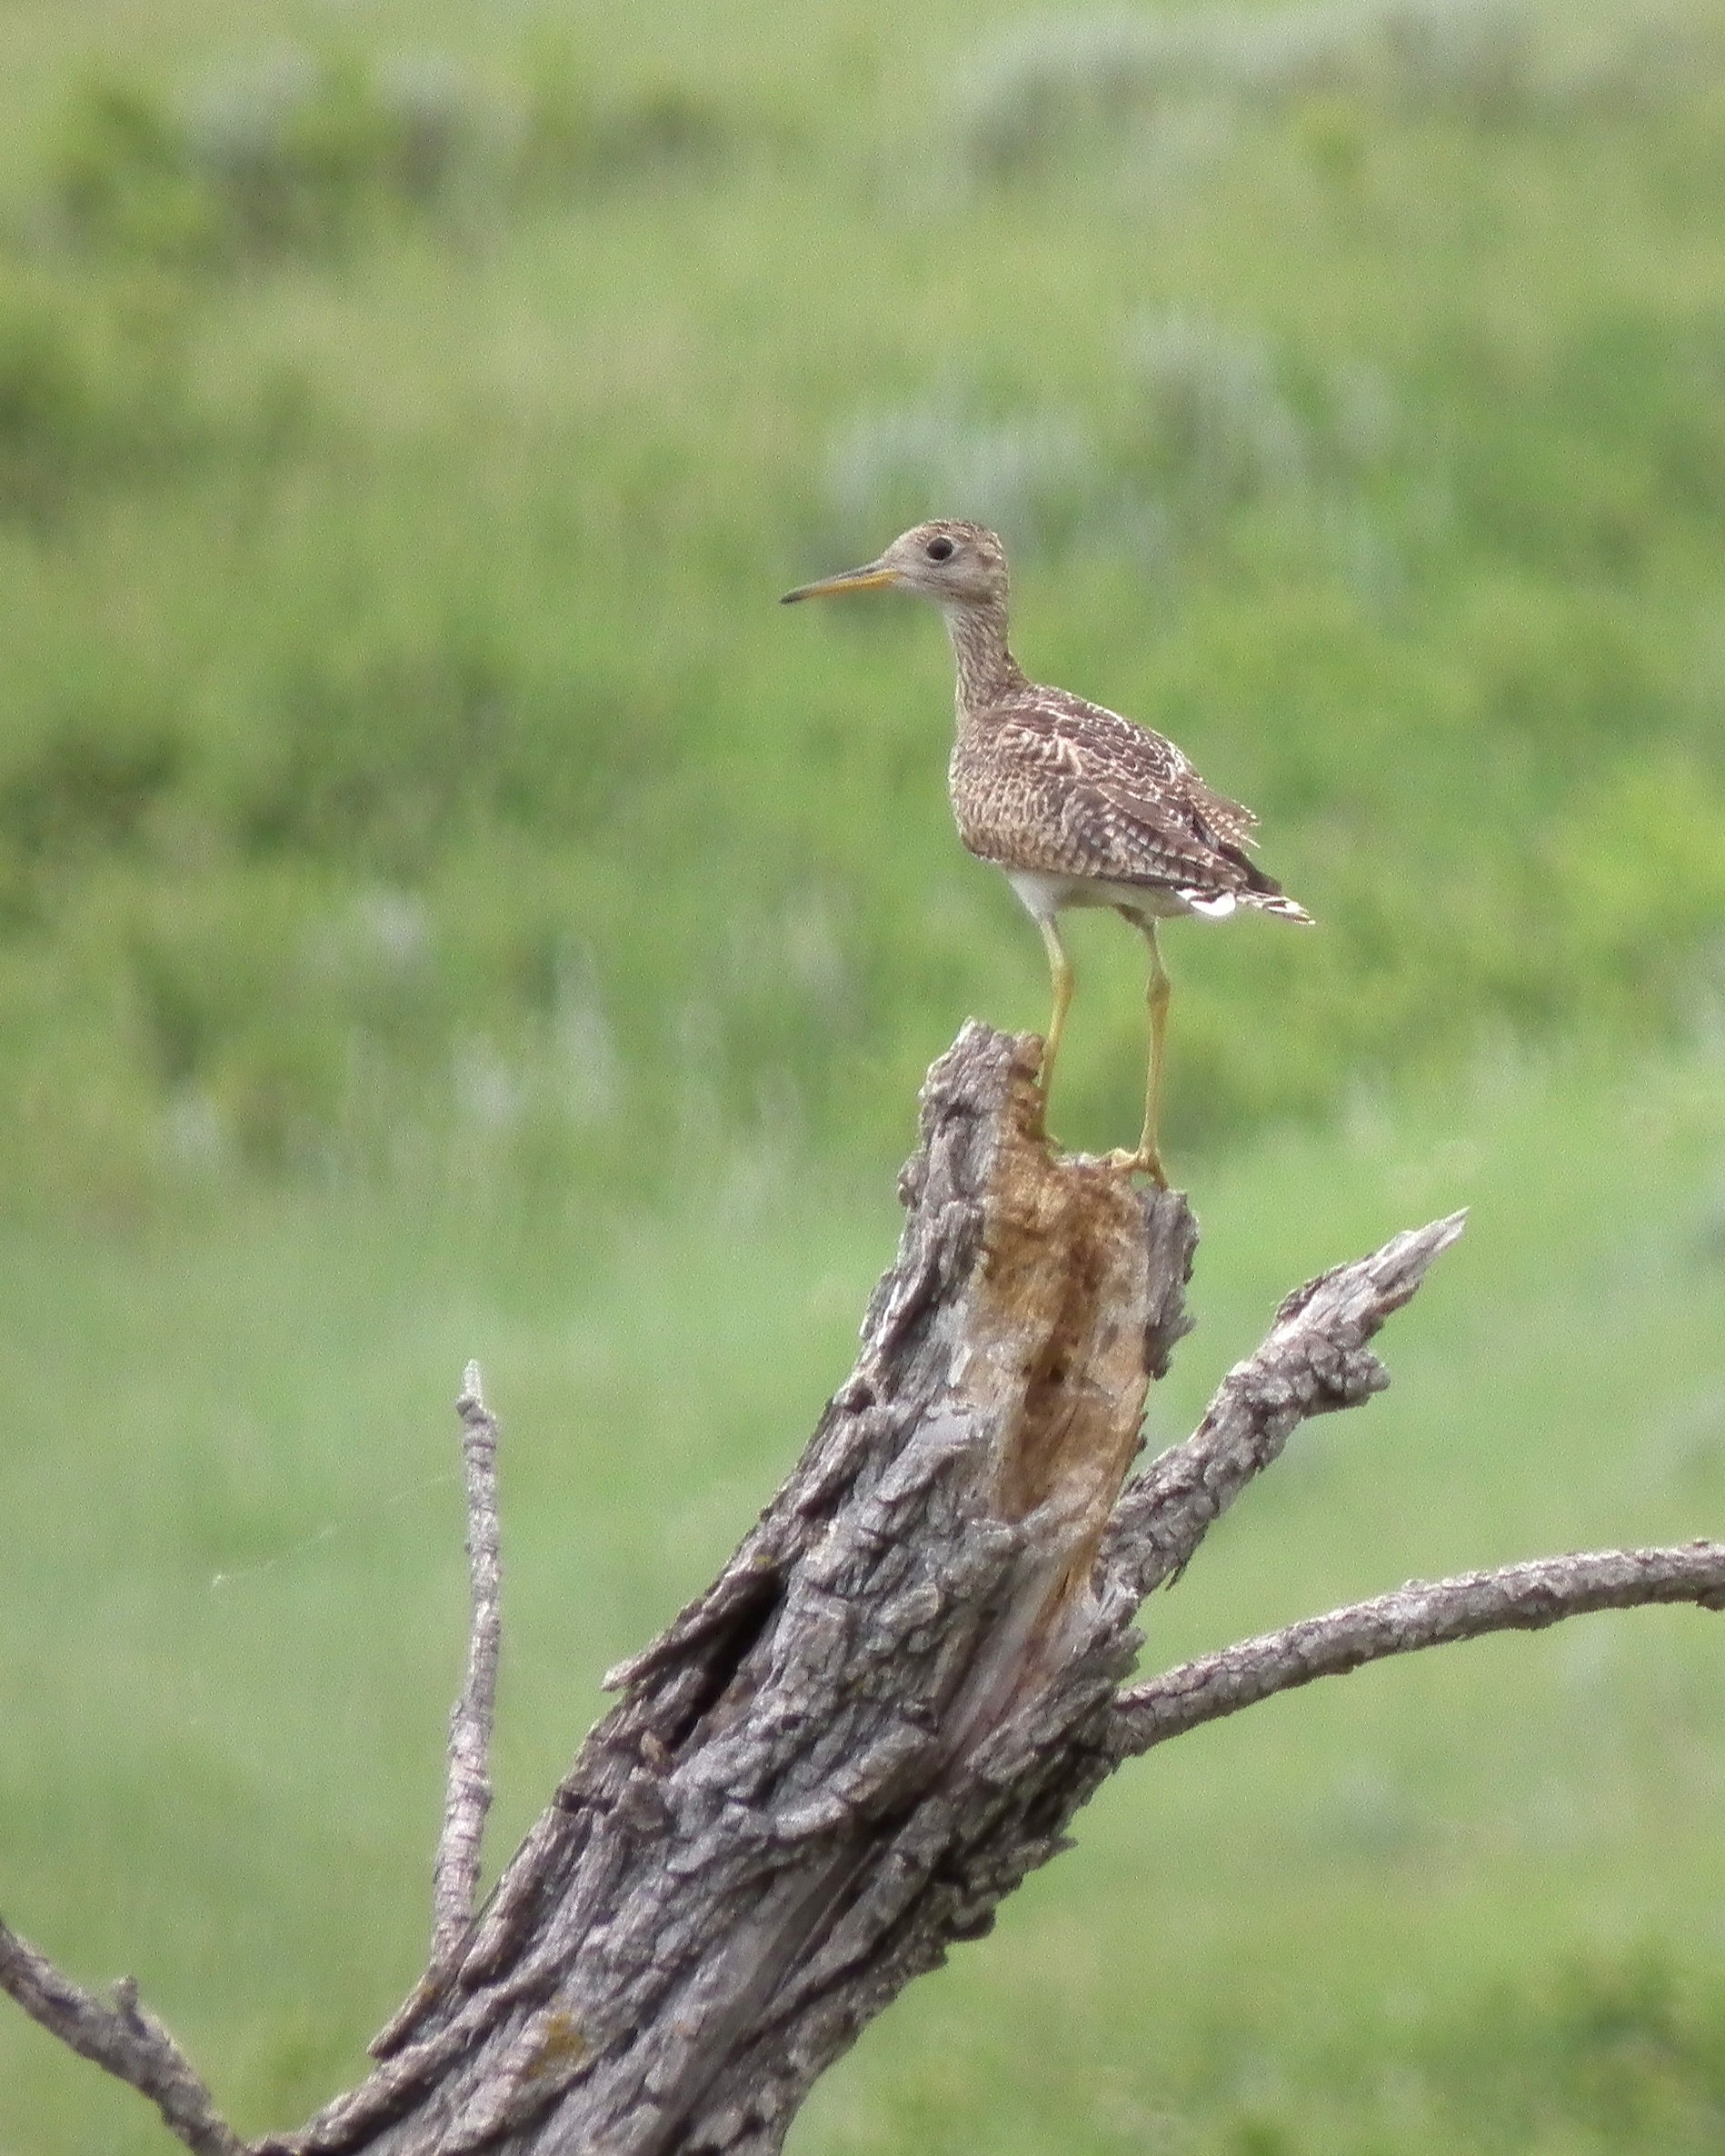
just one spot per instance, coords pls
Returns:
(890, 1704)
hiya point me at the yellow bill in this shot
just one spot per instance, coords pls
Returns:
(871, 577)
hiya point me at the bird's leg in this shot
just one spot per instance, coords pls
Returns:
(1060, 969)
(1148, 1159)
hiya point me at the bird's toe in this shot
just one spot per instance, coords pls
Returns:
(1145, 1160)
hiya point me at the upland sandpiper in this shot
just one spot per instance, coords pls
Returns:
(1079, 806)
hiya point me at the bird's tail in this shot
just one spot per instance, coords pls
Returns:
(1279, 904)
(1266, 895)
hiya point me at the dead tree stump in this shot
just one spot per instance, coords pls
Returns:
(888, 1707)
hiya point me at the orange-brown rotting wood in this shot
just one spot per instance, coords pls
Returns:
(1061, 1340)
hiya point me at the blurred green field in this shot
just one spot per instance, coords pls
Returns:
(400, 455)
(447, 908)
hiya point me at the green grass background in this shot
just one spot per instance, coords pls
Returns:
(445, 908)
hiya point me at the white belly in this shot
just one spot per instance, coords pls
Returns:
(1044, 896)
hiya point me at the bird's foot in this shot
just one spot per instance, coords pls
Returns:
(1146, 1161)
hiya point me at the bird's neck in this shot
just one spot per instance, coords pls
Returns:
(985, 666)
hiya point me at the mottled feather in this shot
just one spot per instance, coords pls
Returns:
(1042, 779)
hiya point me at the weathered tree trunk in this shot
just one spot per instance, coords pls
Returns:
(874, 1724)
(886, 1710)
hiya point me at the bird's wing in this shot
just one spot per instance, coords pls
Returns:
(1232, 820)
(1126, 802)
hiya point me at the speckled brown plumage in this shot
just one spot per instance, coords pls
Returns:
(1077, 805)
(1043, 781)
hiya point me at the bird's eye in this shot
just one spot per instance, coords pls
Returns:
(939, 550)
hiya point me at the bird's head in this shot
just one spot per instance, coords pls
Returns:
(955, 564)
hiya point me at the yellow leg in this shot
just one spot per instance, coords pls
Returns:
(1148, 1159)
(1060, 969)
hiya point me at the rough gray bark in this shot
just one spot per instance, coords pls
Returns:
(890, 1704)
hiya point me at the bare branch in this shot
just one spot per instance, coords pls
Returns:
(467, 1795)
(456, 1877)
(1517, 1598)
(1313, 1360)
(126, 2038)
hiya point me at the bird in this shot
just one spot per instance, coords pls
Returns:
(1077, 805)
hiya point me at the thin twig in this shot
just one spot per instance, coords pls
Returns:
(1313, 1360)
(1516, 1597)
(126, 2038)
(467, 1791)
(455, 1876)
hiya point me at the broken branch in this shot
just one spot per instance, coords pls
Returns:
(126, 2038)
(1314, 1360)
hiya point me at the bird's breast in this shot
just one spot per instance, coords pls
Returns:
(990, 798)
